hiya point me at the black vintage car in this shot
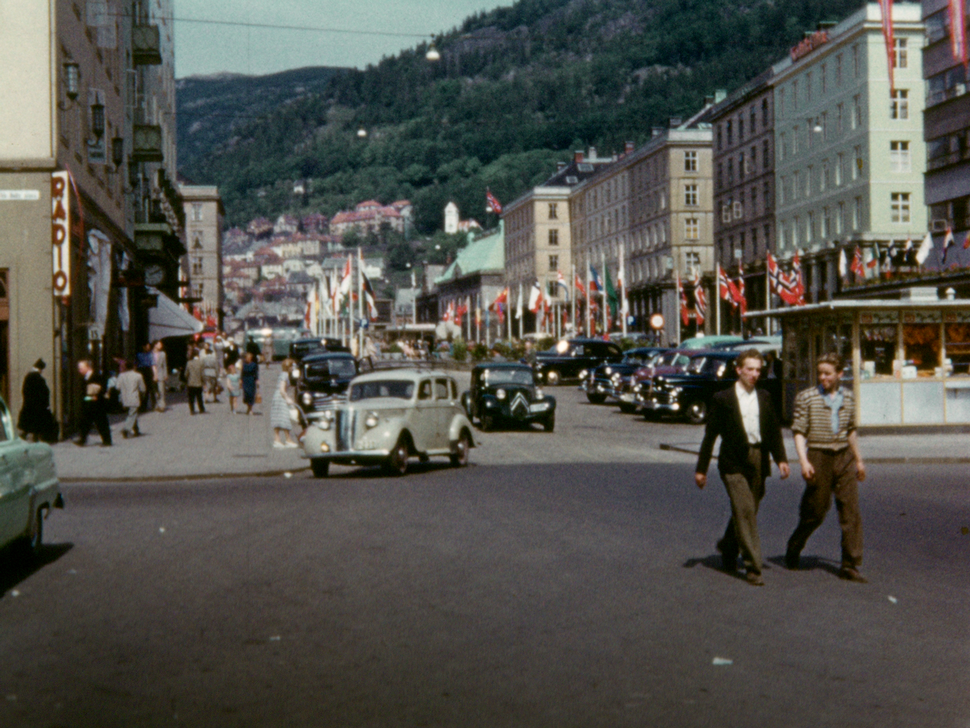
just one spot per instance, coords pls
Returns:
(504, 394)
(320, 378)
(688, 393)
(607, 381)
(572, 358)
(314, 345)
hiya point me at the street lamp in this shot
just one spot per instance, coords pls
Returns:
(432, 54)
(97, 119)
(362, 133)
(72, 75)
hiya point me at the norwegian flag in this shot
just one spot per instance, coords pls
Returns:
(343, 290)
(700, 299)
(947, 242)
(796, 282)
(491, 203)
(580, 288)
(887, 269)
(459, 312)
(724, 286)
(741, 299)
(535, 297)
(777, 281)
(499, 304)
(856, 266)
(561, 281)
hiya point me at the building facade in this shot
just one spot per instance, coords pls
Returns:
(849, 149)
(204, 215)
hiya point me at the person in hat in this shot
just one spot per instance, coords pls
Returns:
(36, 420)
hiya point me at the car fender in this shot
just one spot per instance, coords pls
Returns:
(552, 402)
(458, 424)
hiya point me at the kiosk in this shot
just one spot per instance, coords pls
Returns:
(907, 360)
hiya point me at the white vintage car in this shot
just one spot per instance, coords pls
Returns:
(28, 487)
(388, 417)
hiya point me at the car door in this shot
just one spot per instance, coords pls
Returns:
(424, 423)
(14, 481)
(444, 406)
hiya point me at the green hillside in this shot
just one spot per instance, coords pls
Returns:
(515, 90)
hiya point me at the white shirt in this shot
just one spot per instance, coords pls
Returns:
(750, 413)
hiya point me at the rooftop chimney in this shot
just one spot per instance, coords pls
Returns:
(592, 152)
(826, 24)
(578, 156)
(719, 95)
(628, 147)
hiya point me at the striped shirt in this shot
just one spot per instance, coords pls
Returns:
(813, 419)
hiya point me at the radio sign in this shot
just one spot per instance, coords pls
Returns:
(61, 233)
(809, 44)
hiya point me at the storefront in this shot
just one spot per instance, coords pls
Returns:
(908, 361)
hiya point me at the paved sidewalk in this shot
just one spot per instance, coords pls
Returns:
(175, 444)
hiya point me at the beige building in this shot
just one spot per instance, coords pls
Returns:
(204, 216)
(71, 274)
(849, 152)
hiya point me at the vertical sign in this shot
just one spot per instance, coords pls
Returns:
(61, 233)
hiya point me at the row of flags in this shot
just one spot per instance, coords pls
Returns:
(333, 293)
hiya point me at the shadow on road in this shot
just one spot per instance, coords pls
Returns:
(15, 568)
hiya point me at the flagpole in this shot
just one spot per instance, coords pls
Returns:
(770, 319)
(521, 312)
(572, 285)
(589, 301)
(622, 277)
(360, 302)
(606, 304)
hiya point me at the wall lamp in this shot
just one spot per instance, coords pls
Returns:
(118, 151)
(97, 119)
(72, 83)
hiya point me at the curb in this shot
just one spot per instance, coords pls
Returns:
(906, 460)
(179, 478)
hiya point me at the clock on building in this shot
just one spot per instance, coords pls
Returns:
(154, 274)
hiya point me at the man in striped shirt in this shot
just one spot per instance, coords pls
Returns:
(828, 452)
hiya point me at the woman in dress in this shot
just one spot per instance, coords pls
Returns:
(250, 380)
(233, 386)
(280, 411)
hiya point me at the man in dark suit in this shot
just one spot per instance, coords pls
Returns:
(745, 420)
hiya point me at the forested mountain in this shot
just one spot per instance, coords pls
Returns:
(515, 90)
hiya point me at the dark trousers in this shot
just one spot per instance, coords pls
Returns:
(149, 398)
(745, 490)
(195, 397)
(835, 474)
(94, 413)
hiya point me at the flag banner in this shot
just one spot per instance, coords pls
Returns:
(370, 298)
(580, 288)
(724, 287)
(958, 31)
(561, 282)
(518, 305)
(843, 264)
(857, 268)
(700, 299)
(684, 311)
(887, 33)
(774, 275)
(612, 297)
(888, 263)
(868, 263)
(343, 289)
(908, 253)
(595, 284)
(742, 299)
(499, 304)
(925, 248)
(535, 297)
(947, 242)
(491, 203)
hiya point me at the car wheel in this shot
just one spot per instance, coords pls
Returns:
(552, 377)
(397, 461)
(487, 422)
(320, 467)
(697, 413)
(459, 458)
(550, 423)
(595, 398)
(628, 409)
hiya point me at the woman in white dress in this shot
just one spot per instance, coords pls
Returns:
(280, 409)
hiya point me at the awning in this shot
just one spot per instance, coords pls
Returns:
(167, 318)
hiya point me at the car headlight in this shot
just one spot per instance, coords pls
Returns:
(500, 394)
(583, 374)
(328, 415)
(371, 420)
(307, 399)
(615, 378)
(538, 393)
(608, 370)
(637, 387)
(325, 424)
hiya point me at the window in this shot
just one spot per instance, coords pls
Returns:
(794, 140)
(765, 155)
(796, 184)
(838, 70)
(856, 111)
(692, 260)
(899, 208)
(857, 213)
(553, 212)
(690, 161)
(899, 104)
(839, 115)
(752, 119)
(855, 61)
(826, 222)
(809, 176)
(810, 227)
(197, 266)
(553, 237)
(553, 262)
(730, 133)
(738, 210)
(839, 169)
(822, 79)
(691, 228)
(726, 213)
(764, 113)
(742, 166)
(781, 101)
(690, 195)
(808, 87)
(740, 128)
(766, 194)
(783, 149)
(794, 95)
(552, 289)
(857, 168)
(899, 159)
(899, 53)
(196, 212)
(840, 219)
(823, 181)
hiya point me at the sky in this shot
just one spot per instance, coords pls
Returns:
(207, 48)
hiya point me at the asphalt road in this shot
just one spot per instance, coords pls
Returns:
(561, 580)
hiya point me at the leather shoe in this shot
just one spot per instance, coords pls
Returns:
(729, 557)
(850, 574)
(792, 559)
(754, 579)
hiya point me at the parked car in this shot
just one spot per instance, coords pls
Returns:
(667, 362)
(715, 341)
(507, 394)
(29, 488)
(299, 348)
(608, 380)
(388, 417)
(322, 378)
(283, 336)
(574, 358)
(688, 393)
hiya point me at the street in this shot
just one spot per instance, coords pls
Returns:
(565, 579)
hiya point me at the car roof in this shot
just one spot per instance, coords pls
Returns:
(325, 355)
(503, 365)
(706, 342)
(407, 374)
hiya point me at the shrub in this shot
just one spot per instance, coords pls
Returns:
(480, 352)
(459, 350)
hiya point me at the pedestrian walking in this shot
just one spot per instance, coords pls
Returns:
(742, 416)
(828, 452)
(279, 412)
(161, 375)
(36, 419)
(210, 373)
(132, 389)
(233, 386)
(194, 381)
(250, 381)
(93, 409)
(145, 360)
(231, 355)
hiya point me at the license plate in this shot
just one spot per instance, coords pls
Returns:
(536, 407)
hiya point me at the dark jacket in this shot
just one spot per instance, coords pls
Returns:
(725, 421)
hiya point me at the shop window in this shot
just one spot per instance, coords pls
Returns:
(921, 347)
(957, 336)
(878, 349)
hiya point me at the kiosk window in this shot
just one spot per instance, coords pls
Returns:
(878, 344)
(921, 347)
(958, 347)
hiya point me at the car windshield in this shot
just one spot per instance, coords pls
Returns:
(397, 388)
(634, 360)
(493, 377)
(696, 365)
(331, 368)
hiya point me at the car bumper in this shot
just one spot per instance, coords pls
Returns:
(652, 405)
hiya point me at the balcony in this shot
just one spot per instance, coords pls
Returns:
(147, 143)
(146, 45)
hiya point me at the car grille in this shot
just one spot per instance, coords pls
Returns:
(346, 421)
